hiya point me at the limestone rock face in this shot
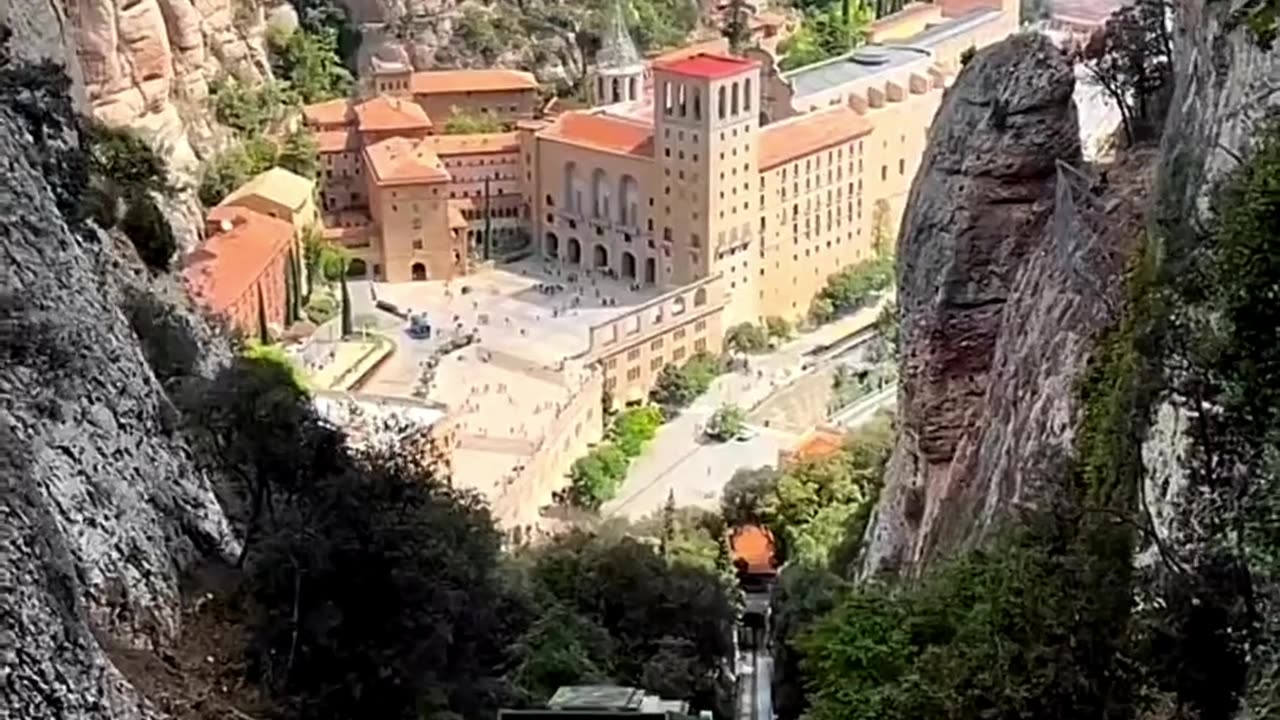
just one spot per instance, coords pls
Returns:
(102, 502)
(1003, 284)
(147, 65)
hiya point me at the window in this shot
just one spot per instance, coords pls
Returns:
(656, 344)
(720, 105)
(633, 354)
(678, 355)
(633, 374)
(700, 326)
(700, 345)
(902, 166)
(656, 363)
(884, 172)
(678, 334)
(613, 363)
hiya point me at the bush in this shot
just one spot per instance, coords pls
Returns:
(250, 110)
(321, 308)
(299, 154)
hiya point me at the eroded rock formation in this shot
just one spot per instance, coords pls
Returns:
(102, 502)
(1005, 279)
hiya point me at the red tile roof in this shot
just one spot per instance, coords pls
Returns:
(471, 81)
(506, 142)
(754, 546)
(601, 132)
(225, 266)
(707, 66)
(328, 141)
(388, 113)
(719, 46)
(399, 161)
(330, 112)
(785, 141)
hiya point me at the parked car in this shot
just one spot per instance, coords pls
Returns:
(419, 327)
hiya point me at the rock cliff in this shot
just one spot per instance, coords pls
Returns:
(1010, 266)
(1006, 274)
(102, 502)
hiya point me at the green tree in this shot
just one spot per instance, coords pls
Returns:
(251, 110)
(850, 289)
(746, 338)
(595, 478)
(736, 28)
(464, 122)
(235, 167)
(779, 329)
(299, 154)
(727, 422)
(1132, 61)
(743, 499)
(668, 528)
(633, 428)
(309, 61)
(676, 387)
(562, 648)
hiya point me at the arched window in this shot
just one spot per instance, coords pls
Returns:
(572, 188)
(697, 104)
(629, 192)
(720, 103)
(666, 97)
(631, 89)
(616, 96)
(700, 297)
(746, 94)
(734, 105)
(684, 105)
(600, 200)
(600, 88)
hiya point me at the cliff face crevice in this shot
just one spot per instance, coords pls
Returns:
(1009, 266)
(104, 503)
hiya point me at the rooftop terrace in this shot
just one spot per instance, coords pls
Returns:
(865, 62)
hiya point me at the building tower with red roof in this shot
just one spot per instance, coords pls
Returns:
(706, 117)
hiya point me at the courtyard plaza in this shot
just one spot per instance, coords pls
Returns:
(508, 391)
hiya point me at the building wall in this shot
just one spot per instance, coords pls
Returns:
(594, 211)
(578, 426)
(342, 184)
(413, 230)
(892, 154)
(815, 222)
(633, 348)
(506, 106)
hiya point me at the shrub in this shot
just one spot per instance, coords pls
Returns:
(234, 167)
(321, 308)
(250, 110)
(309, 61)
(299, 154)
(634, 427)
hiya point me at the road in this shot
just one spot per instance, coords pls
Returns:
(680, 462)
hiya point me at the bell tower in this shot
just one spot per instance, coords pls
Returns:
(619, 71)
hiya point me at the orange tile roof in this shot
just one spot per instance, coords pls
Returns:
(753, 545)
(345, 140)
(806, 134)
(471, 81)
(388, 113)
(330, 112)
(707, 66)
(399, 161)
(602, 132)
(226, 265)
(820, 444)
(474, 144)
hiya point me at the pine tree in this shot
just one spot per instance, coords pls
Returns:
(263, 336)
(346, 306)
(668, 524)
